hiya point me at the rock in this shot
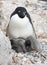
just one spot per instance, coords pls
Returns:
(5, 48)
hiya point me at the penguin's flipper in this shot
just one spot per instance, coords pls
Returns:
(31, 24)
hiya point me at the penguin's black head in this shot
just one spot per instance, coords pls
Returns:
(21, 11)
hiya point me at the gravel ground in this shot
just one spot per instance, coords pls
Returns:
(32, 58)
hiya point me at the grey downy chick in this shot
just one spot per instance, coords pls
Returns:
(18, 45)
(33, 44)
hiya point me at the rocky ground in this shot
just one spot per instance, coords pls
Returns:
(38, 12)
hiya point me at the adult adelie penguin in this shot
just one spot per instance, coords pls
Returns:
(20, 24)
(20, 29)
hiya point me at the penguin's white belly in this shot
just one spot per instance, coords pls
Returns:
(20, 27)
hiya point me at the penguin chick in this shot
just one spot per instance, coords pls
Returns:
(18, 45)
(33, 43)
(20, 24)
